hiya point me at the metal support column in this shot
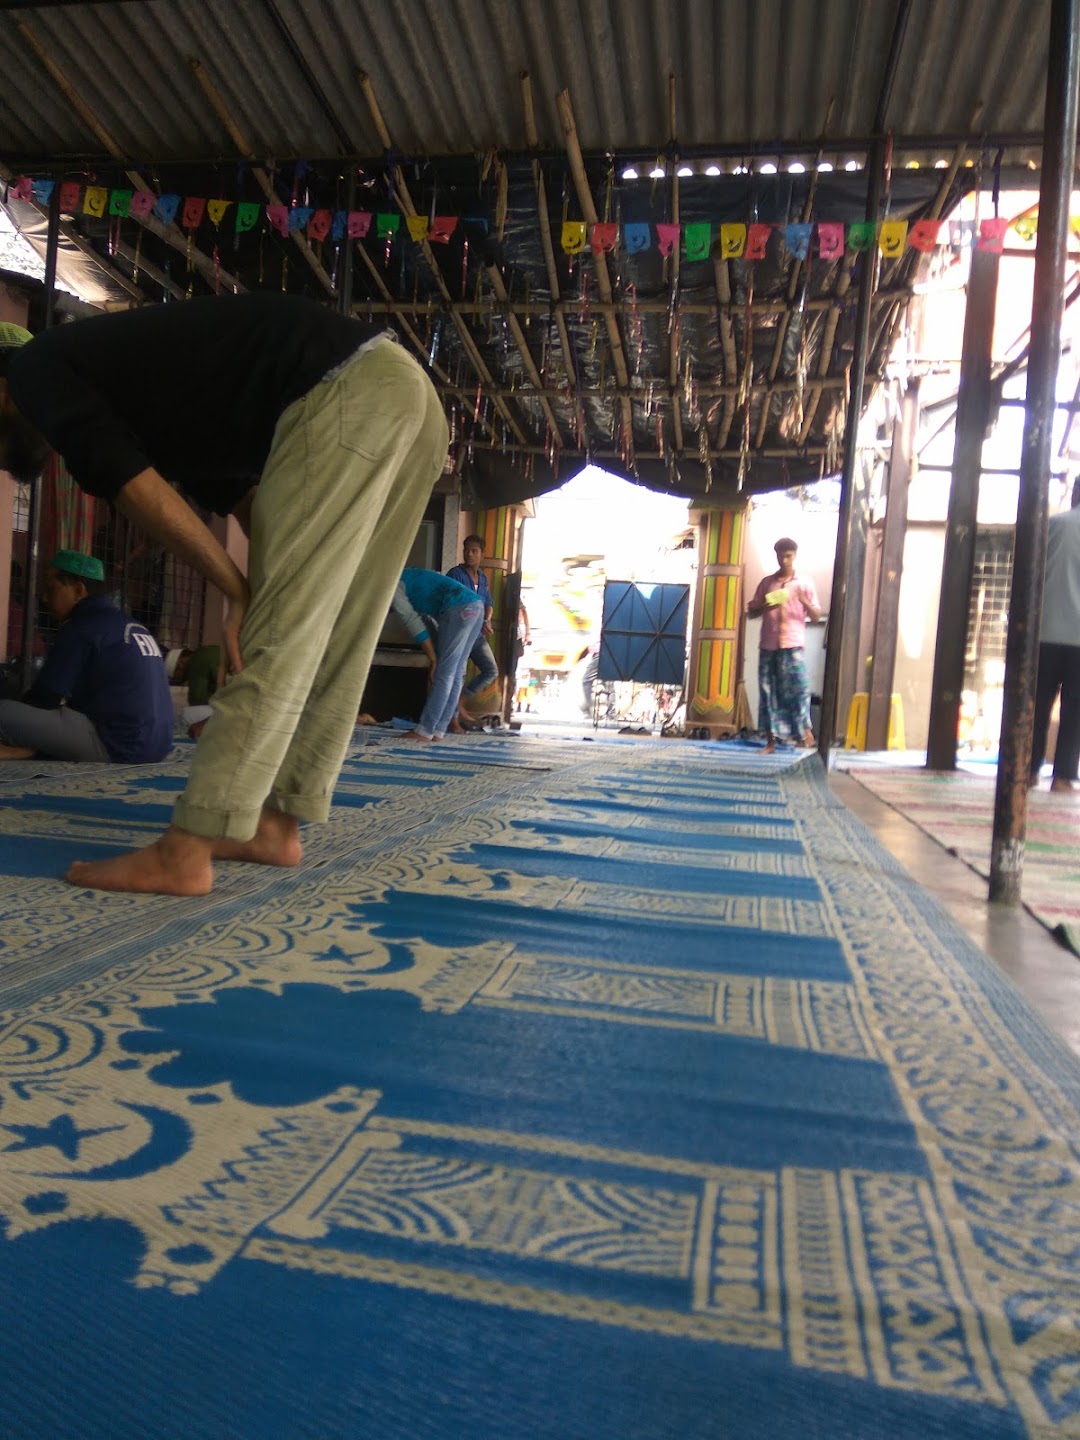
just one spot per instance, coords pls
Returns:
(33, 521)
(972, 418)
(1029, 559)
(345, 275)
(867, 283)
(830, 690)
(886, 619)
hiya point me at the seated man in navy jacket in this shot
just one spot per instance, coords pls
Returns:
(102, 693)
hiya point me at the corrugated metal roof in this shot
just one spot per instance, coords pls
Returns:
(101, 89)
(446, 73)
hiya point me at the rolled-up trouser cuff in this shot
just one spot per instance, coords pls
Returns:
(215, 824)
(301, 807)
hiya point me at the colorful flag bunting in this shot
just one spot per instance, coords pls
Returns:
(697, 241)
(923, 234)
(667, 237)
(891, 238)
(387, 225)
(358, 224)
(797, 240)
(605, 236)
(418, 226)
(216, 210)
(191, 217)
(732, 241)
(992, 235)
(636, 237)
(830, 239)
(442, 227)
(757, 240)
(573, 236)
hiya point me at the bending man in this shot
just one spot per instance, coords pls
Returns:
(324, 438)
(459, 616)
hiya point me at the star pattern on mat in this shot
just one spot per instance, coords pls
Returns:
(61, 1133)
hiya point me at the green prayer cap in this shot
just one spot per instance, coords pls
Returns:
(74, 562)
(12, 335)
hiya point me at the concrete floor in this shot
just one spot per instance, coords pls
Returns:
(1047, 973)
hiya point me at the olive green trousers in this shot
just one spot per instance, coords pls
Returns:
(337, 508)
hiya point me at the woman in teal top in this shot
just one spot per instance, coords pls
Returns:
(460, 618)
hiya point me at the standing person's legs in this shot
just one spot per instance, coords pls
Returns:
(459, 626)
(1046, 689)
(487, 671)
(795, 695)
(342, 493)
(61, 734)
(767, 697)
(1067, 751)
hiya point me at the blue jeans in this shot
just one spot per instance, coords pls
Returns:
(459, 625)
(486, 668)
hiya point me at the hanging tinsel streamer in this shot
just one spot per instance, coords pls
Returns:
(217, 269)
(138, 253)
(465, 268)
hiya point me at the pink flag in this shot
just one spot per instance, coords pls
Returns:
(358, 224)
(830, 239)
(992, 234)
(278, 216)
(667, 237)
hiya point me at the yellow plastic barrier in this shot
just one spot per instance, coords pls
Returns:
(858, 713)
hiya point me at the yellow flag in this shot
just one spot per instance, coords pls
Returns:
(892, 237)
(418, 226)
(732, 241)
(95, 200)
(573, 236)
(216, 210)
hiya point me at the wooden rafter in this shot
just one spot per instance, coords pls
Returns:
(405, 204)
(603, 279)
(532, 136)
(170, 234)
(262, 179)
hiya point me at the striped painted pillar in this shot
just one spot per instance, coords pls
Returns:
(499, 531)
(717, 698)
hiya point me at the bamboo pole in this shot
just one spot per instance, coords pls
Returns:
(171, 234)
(708, 388)
(262, 179)
(407, 208)
(724, 314)
(676, 260)
(603, 280)
(793, 281)
(533, 138)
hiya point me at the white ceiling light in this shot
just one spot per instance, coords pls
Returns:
(768, 168)
(852, 165)
(657, 173)
(796, 168)
(629, 173)
(825, 166)
(684, 170)
(713, 170)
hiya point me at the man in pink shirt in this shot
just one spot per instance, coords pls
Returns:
(785, 601)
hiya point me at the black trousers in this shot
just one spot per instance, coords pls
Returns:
(1059, 669)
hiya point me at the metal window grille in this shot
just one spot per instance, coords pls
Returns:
(988, 611)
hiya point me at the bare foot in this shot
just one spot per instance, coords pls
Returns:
(177, 864)
(770, 747)
(1062, 786)
(276, 842)
(16, 752)
(808, 740)
(415, 735)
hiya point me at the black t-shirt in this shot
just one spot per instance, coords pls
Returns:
(192, 388)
